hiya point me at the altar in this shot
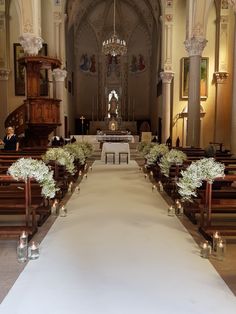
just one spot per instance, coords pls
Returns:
(94, 126)
(115, 148)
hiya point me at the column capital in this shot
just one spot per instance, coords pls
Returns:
(167, 77)
(221, 77)
(59, 74)
(31, 43)
(4, 74)
(195, 45)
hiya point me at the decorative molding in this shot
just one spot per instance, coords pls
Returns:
(4, 74)
(166, 77)
(231, 2)
(169, 17)
(224, 5)
(31, 43)
(195, 45)
(28, 27)
(57, 17)
(221, 77)
(59, 75)
(169, 3)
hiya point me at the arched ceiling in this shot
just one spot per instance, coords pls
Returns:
(99, 14)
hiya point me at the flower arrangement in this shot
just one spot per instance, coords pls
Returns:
(192, 178)
(155, 153)
(172, 157)
(25, 168)
(77, 151)
(144, 148)
(87, 148)
(62, 156)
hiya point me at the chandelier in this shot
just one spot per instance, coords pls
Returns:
(114, 46)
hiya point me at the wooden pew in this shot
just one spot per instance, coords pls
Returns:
(17, 202)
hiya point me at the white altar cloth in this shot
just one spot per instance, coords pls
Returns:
(115, 148)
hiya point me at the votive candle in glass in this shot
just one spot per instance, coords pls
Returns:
(215, 239)
(22, 252)
(154, 187)
(220, 249)
(63, 211)
(24, 237)
(171, 211)
(33, 250)
(54, 208)
(205, 251)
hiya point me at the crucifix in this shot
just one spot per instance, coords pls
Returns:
(82, 118)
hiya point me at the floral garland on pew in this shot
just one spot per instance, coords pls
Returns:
(61, 156)
(80, 151)
(156, 152)
(35, 169)
(144, 148)
(172, 157)
(206, 169)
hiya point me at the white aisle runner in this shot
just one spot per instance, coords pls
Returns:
(118, 252)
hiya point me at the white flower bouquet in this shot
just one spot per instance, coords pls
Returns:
(77, 151)
(206, 169)
(144, 148)
(173, 157)
(156, 152)
(62, 156)
(35, 169)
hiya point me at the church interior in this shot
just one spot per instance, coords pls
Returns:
(118, 187)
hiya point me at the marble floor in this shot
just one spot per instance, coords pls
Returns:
(117, 252)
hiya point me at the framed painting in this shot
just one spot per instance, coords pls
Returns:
(19, 72)
(185, 77)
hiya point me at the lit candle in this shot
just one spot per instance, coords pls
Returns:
(86, 176)
(153, 187)
(151, 173)
(22, 252)
(63, 211)
(78, 189)
(70, 187)
(24, 237)
(54, 207)
(91, 168)
(216, 238)
(205, 251)
(80, 173)
(171, 211)
(85, 167)
(161, 189)
(145, 176)
(220, 249)
(33, 251)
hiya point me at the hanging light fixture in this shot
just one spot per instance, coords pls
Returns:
(114, 46)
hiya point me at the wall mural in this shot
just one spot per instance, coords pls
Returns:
(88, 63)
(137, 64)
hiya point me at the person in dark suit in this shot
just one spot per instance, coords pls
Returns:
(10, 141)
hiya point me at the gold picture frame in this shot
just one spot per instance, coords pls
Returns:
(185, 74)
(19, 72)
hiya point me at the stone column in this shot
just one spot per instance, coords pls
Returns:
(194, 47)
(220, 112)
(166, 103)
(59, 78)
(4, 74)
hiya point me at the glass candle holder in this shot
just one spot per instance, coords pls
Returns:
(33, 250)
(205, 249)
(215, 239)
(63, 211)
(77, 190)
(21, 252)
(54, 208)
(220, 249)
(70, 187)
(24, 238)
(91, 168)
(171, 211)
(161, 189)
(154, 187)
(86, 176)
(179, 210)
(85, 167)
(80, 173)
(151, 173)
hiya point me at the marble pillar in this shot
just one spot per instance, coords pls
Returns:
(194, 47)
(4, 74)
(220, 112)
(59, 78)
(166, 104)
